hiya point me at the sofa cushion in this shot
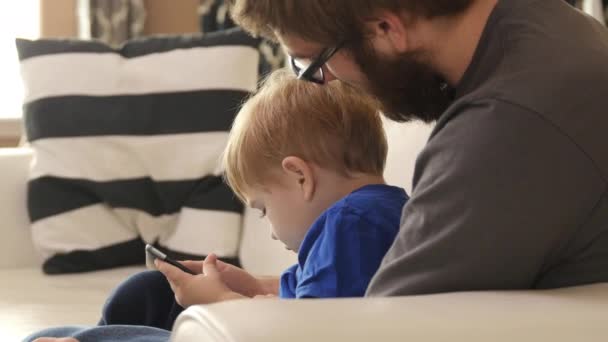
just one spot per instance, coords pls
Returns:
(126, 146)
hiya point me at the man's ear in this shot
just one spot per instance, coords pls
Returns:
(300, 172)
(388, 33)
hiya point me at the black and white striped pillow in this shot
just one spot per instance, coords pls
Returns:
(127, 145)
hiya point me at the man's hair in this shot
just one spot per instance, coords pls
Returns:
(329, 22)
(334, 126)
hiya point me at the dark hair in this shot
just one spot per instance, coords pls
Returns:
(329, 21)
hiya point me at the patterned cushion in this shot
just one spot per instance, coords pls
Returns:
(127, 145)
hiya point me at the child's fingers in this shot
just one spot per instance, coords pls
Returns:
(266, 296)
(173, 274)
(195, 266)
(210, 266)
(221, 266)
(210, 259)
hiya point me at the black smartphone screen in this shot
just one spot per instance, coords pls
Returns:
(153, 253)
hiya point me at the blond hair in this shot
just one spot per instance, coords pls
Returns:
(333, 126)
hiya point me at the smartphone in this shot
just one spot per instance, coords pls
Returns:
(153, 253)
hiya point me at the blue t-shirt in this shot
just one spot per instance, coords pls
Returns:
(345, 245)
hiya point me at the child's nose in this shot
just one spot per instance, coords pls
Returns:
(274, 237)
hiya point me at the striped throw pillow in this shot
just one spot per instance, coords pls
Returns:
(127, 145)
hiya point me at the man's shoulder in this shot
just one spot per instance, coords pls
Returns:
(497, 118)
(536, 68)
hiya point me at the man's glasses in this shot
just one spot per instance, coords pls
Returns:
(313, 71)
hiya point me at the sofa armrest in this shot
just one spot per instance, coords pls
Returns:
(16, 248)
(571, 314)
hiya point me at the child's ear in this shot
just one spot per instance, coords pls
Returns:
(300, 172)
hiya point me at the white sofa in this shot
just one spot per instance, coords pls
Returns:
(30, 301)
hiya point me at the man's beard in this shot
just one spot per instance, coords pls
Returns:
(406, 87)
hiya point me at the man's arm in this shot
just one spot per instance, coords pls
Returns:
(498, 193)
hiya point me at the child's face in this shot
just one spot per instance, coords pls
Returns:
(293, 199)
(290, 215)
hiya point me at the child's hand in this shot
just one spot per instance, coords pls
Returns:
(236, 278)
(268, 296)
(199, 289)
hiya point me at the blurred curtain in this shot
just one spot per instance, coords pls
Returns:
(111, 21)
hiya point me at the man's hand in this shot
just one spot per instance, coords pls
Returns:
(204, 288)
(237, 279)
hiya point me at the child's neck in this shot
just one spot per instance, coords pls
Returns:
(332, 187)
(359, 181)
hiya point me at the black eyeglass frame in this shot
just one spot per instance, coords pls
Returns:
(316, 66)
